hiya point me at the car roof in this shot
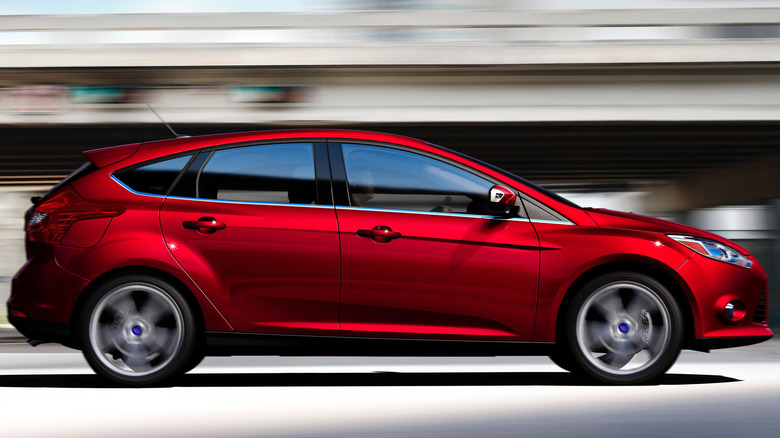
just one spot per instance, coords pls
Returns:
(129, 154)
(105, 156)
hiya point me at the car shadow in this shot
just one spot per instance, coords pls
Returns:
(351, 379)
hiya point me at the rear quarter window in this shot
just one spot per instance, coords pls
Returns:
(153, 178)
(83, 170)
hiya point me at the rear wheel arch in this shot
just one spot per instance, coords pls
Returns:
(127, 271)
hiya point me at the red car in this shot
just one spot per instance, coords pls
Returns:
(332, 242)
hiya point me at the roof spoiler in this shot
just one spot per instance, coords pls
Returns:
(105, 156)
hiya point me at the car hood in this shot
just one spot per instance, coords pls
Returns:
(617, 219)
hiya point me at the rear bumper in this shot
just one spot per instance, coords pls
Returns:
(43, 330)
(42, 299)
(44, 291)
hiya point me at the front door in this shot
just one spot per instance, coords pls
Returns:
(421, 258)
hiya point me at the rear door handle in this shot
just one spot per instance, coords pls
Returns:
(379, 234)
(204, 225)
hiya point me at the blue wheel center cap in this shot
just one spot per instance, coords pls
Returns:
(623, 327)
(137, 330)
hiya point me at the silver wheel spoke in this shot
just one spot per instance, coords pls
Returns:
(155, 314)
(161, 333)
(123, 307)
(598, 331)
(609, 306)
(637, 344)
(137, 363)
(616, 360)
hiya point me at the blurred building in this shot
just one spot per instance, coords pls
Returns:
(663, 107)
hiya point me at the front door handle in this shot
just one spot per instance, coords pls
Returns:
(379, 234)
(204, 225)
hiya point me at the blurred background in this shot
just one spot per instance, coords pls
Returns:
(669, 108)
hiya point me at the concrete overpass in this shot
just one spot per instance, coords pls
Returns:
(700, 82)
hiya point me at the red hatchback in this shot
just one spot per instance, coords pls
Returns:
(334, 242)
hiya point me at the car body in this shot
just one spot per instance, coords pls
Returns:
(322, 242)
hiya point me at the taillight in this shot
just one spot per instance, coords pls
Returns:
(50, 220)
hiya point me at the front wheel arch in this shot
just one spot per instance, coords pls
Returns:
(671, 284)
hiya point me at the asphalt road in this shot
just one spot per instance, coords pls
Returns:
(49, 391)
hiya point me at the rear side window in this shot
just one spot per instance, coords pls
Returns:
(155, 178)
(273, 173)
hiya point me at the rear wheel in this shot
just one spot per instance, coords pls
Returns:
(623, 328)
(139, 330)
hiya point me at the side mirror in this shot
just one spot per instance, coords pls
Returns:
(502, 201)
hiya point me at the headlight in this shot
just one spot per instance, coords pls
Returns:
(714, 250)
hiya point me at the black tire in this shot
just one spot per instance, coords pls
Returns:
(563, 359)
(195, 360)
(623, 328)
(139, 331)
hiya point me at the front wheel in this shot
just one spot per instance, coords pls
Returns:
(138, 331)
(624, 328)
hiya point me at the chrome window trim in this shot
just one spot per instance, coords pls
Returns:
(135, 192)
(544, 221)
(221, 201)
(228, 201)
(430, 213)
(438, 213)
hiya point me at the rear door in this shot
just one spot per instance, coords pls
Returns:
(255, 227)
(421, 258)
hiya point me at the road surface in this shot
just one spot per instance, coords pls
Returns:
(49, 391)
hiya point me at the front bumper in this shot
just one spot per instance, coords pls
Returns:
(713, 284)
(707, 344)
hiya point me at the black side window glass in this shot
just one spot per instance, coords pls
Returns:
(387, 178)
(153, 178)
(540, 212)
(275, 173)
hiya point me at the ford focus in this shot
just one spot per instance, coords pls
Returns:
(334, 242)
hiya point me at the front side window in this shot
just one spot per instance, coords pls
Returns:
(275, 173)
(154, 178)
(386, 178)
